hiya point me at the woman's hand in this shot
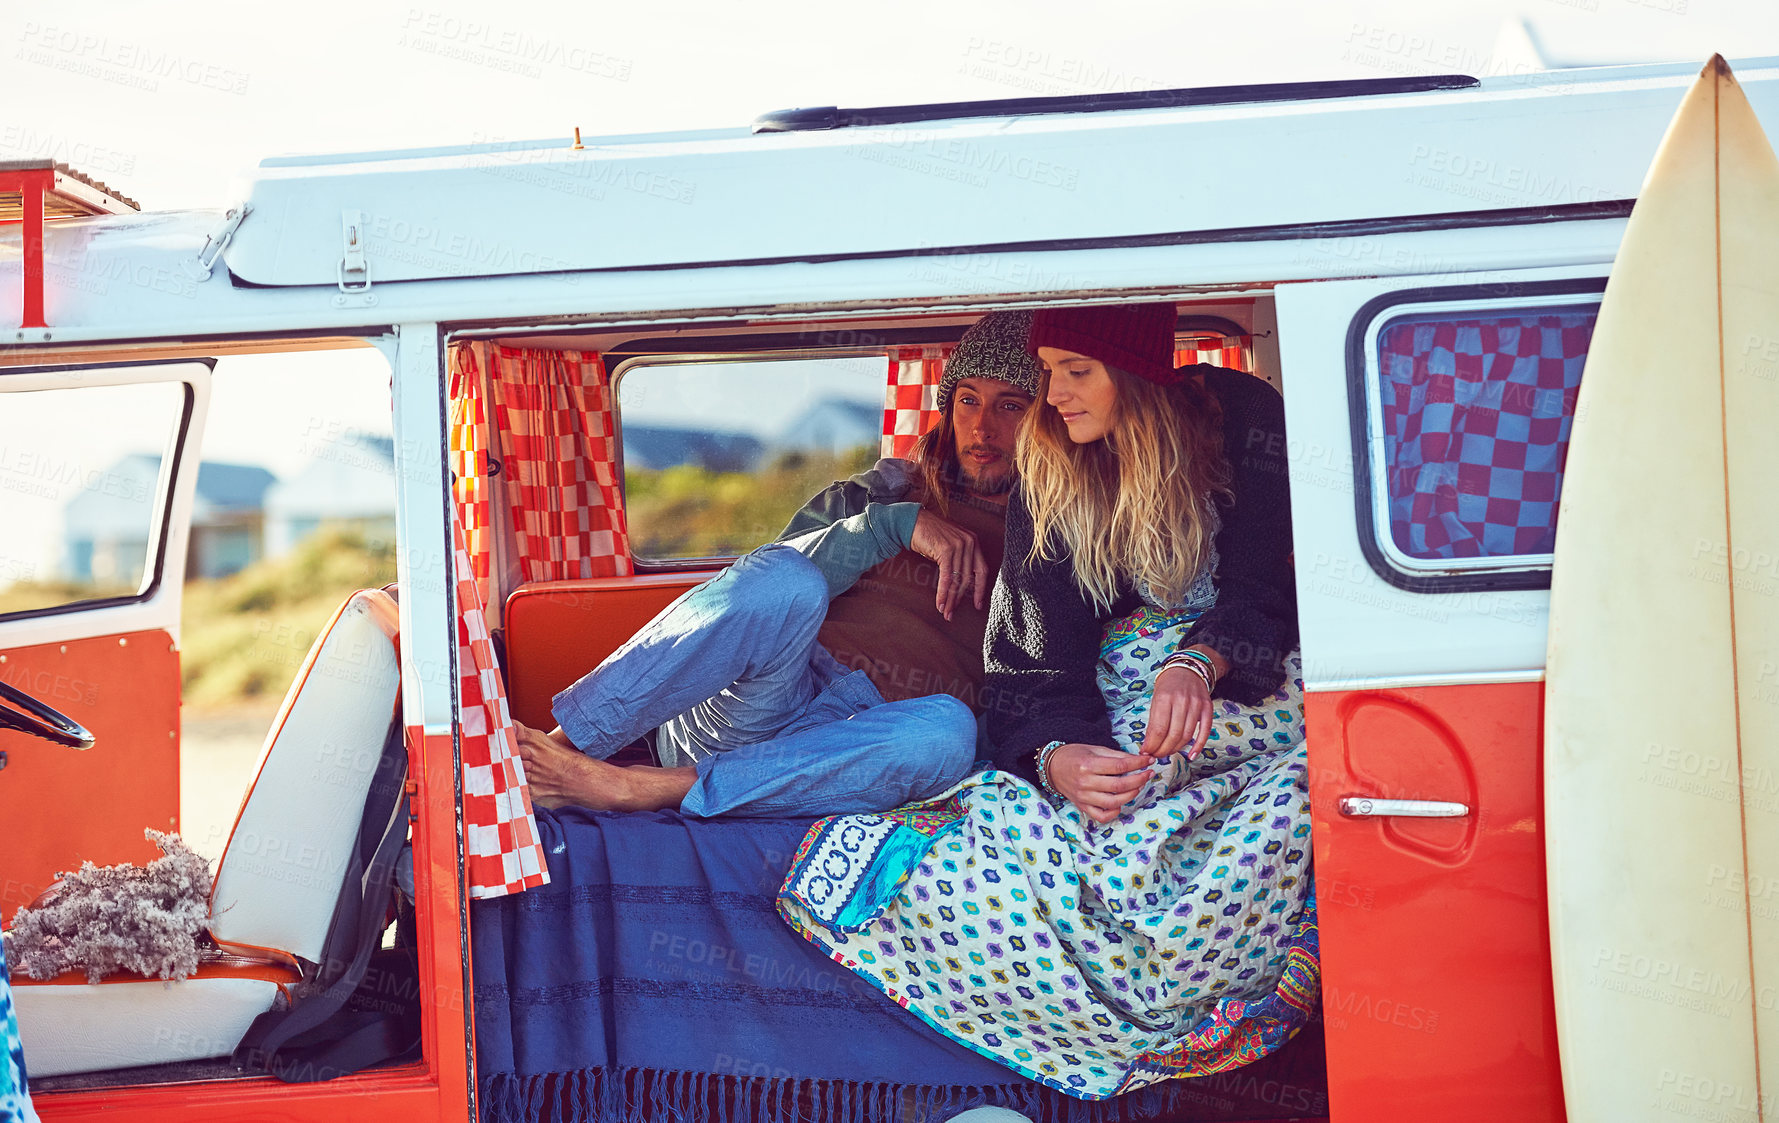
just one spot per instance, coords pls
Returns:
(962, 566)
(1179, 715)
(1098, 780)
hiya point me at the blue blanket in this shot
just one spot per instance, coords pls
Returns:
(652, 979)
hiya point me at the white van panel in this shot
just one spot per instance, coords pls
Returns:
(1357, 628)
(133, 278)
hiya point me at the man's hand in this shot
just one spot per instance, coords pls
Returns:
(1098, 780)
(962, 568)
(1179, 715)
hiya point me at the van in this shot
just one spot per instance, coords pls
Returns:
(1321, 235)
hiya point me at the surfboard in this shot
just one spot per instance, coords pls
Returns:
(1661, 737)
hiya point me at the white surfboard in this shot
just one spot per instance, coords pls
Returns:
(1661, 749)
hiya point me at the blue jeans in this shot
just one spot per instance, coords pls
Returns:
(732, 677)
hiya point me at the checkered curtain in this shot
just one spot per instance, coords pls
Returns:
(1233, 351)
(1476, 417)
(470, 444)
(536, 431)
(501, 850)
(910, 400)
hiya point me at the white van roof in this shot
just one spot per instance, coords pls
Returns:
(1516, 148)
(1542, 144)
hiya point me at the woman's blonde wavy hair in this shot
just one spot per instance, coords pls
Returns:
(1136, 503)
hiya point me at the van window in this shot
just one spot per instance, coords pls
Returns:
(720, 451)
(1470, 416)
(82, 483)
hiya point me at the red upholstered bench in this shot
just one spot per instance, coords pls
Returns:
(557, 631)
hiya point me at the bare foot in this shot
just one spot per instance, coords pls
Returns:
(560, 775)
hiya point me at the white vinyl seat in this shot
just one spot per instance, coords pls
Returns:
(278, 881)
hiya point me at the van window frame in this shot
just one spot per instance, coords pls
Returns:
(170, 470)
(642, 565)
(1371, 495)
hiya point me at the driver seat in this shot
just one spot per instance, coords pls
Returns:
(276, 886)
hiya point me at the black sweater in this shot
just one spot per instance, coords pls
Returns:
(1044, 634)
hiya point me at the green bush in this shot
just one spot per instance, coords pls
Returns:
(245, 636)
(686, 511)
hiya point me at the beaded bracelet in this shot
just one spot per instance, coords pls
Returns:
(1194, 654)
(1044, 755)
(1192, 665)
(1195, 669)
(1195, 661)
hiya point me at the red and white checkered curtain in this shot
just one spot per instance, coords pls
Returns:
(501, 850)
(1235, 352)
(553, 420)
(910, 399)
(537, 439)
(470, 448)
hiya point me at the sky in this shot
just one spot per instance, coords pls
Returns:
(170, 103)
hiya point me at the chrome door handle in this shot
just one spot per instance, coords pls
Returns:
(1371, 807)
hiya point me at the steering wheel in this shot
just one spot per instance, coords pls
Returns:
(38, 720)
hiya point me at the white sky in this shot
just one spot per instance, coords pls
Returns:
(772, 394)
(168, 102)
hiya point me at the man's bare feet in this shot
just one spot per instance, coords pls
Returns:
(560, 775)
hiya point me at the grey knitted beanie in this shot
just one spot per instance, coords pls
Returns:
(994, 347)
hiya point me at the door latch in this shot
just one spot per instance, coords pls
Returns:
(355, 271)
(1371, 807)
(205, 264)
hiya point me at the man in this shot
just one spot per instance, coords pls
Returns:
(836, 670)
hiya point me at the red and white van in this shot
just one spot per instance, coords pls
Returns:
(1341, 239)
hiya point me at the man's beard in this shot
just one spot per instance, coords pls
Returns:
(985, 483)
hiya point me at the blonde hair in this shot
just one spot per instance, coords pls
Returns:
(1135, 504)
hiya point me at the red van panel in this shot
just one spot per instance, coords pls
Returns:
(63, 806)
(1435, 934)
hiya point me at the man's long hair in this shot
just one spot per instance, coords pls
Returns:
(1136, 503)
(935, 462)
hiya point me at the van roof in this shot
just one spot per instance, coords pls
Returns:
(1507, 148)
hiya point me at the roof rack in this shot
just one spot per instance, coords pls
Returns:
(830, 117)
(35, 191)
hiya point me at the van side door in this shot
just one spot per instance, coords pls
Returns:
(97, 475)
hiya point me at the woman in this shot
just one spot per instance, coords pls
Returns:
(1128, 518)
(1125, 898)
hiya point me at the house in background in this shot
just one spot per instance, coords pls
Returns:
(105, 529)
(349, 483)
(836, 426)
(652, 447)
(228, 520)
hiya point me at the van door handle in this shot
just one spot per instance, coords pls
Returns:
(1371, 807)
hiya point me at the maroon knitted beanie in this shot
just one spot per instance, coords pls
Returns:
(1135, 338)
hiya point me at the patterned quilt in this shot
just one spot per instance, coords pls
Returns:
(1178, 940)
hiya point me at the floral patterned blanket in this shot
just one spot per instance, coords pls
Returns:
(1178, 940)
